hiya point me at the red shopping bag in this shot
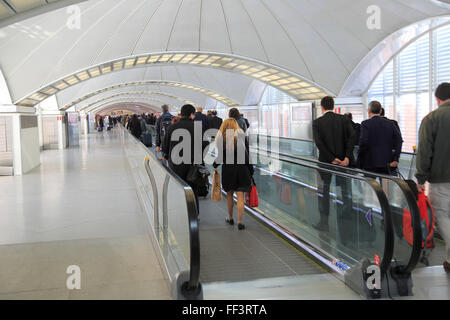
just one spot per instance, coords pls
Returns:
(251, 198)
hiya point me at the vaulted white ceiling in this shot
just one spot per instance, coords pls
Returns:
(317, 41)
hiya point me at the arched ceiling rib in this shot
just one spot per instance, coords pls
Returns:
(319, 42)
(184, 97)
(367, 70)
(137, 108)
(125, 101)
(283, 80)
(130, 96)
(227, 85)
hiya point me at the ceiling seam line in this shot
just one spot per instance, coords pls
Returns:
(79, 39)
(42, 44)
(415, 9)
(320, 35)
(226, 25)
(84, 83)
(173, 24)
(118, 27)
(256, 30)
(290, 38)
(145, 28)
(200, 26)
(351, 32)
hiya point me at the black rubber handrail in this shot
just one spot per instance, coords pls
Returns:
(194, 233)
(193, 287)
(406, 190)
(311, 141)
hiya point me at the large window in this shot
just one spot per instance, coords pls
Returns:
(406, 86)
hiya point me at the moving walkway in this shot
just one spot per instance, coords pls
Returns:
(361, 228)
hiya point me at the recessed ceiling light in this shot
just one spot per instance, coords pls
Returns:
(83, 75)
(153, 59)
(94, 72)
(129, 62)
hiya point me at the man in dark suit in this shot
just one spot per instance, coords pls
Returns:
(334, 137)
(383, 115)
(380, 143)
(179, 133)
(356, 128)
(214, 121)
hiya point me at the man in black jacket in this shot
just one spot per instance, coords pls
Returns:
(334, 137)
(380, 144)
(182, 132)
(214, 121)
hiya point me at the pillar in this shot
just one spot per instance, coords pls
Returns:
(25, 138)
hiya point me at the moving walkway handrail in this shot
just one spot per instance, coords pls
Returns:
(193, 286)
(409, 196)
(310, 141)
(194, 233)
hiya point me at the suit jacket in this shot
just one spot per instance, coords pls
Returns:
(204, 119)
(380, 143)
(215, 122)
(182, 169)
(334, 137)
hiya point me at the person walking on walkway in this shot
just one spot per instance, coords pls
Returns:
(183, 129)
(433, 158)
(237, 172)
(334, 137)
(380, 143)
(135, 127)
(162, 127)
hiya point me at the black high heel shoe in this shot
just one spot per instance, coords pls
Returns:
(241, 226)
(230, 222)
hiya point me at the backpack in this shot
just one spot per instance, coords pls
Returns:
(427, 224)
(166, 122)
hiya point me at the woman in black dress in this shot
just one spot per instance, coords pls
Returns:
(237, 172)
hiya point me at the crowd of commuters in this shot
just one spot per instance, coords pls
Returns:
(236, 176)
(380, 144)
(107, 122)
(379, 140)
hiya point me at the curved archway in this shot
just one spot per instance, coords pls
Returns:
(370, 67)
(284, 80)
(213, 95)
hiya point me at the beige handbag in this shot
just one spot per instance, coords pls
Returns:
(216, 194)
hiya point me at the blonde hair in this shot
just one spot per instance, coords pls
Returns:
(228, 125)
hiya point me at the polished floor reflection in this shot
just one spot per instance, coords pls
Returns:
(78, 208)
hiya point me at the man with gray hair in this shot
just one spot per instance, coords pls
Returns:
(380, 143)
(162, 126)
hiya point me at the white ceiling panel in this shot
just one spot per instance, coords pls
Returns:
(317, 41)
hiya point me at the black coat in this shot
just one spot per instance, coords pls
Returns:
(182, 169)
(204, 119)
(236, 172)
(334, 137)
(135, 128)
(215, 122)
(380, 143)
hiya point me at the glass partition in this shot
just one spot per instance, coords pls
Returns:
(307, 149)
(338, 214)
(173, 223)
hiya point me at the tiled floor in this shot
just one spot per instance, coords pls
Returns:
(78, 208)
